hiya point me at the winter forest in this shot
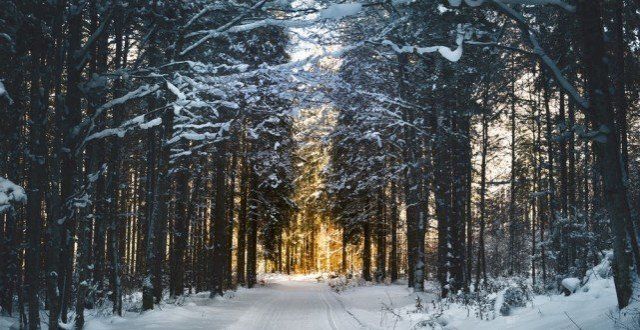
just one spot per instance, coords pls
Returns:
(319, 164)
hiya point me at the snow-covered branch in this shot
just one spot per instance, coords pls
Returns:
(141, 91)
(4, 93)
(332, 12)
(560, 3)
(10, 193)
(225, 27)
(137, 122)
(452, 55)
(550, 64)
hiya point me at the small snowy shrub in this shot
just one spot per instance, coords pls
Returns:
(419, 306)
(342, 282)
(514, 296)
(570, 285)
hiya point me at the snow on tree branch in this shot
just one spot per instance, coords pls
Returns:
(332, 12)
(141, 91)
(452, 55)
(120, 132)
(4, 93)
(10, 193)
(542, 54)
(560, 3)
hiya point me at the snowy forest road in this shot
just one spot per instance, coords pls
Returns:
(297, 305)
(284, 303)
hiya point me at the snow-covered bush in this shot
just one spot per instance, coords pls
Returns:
(343, 282)
(514, 296)
(499, 295)
(570, 285)
(603, 269)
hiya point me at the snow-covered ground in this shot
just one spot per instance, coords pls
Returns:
(283, 302)
(303, 302)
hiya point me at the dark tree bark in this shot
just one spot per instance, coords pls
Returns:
(601, 115)
(252, 235)
(228, 276)
(220, 222)
(481, 261)
(343, 248)
(12, 110)
(113, 177)
(513, 226)
(620, 103)
(412, 187)
(242, 217)
(151, 199)
(393, 257)
(366, 251)
(180, 228)
(36, 184)
(381, 238)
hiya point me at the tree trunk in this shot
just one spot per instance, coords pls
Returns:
(601, 115)
(393, 258)
(513, 227)
(620, 102)
(480, 265)
(180, 232)
(252, 235)
(35, 187)
(242, 217)
(366, 251)
(228, 276)
(220, 223)
(381, 238)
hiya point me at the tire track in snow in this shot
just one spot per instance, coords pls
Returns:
(330, 313)
(335, 296)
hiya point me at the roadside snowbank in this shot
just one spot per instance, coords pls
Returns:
(592, 306)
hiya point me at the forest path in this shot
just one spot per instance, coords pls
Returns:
(283, 303)
(297, 304)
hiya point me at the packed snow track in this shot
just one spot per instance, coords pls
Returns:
(280, 304)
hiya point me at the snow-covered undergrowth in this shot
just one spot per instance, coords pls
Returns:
(340, 283)
(327, 301)
(512, 305)
(198, 310)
